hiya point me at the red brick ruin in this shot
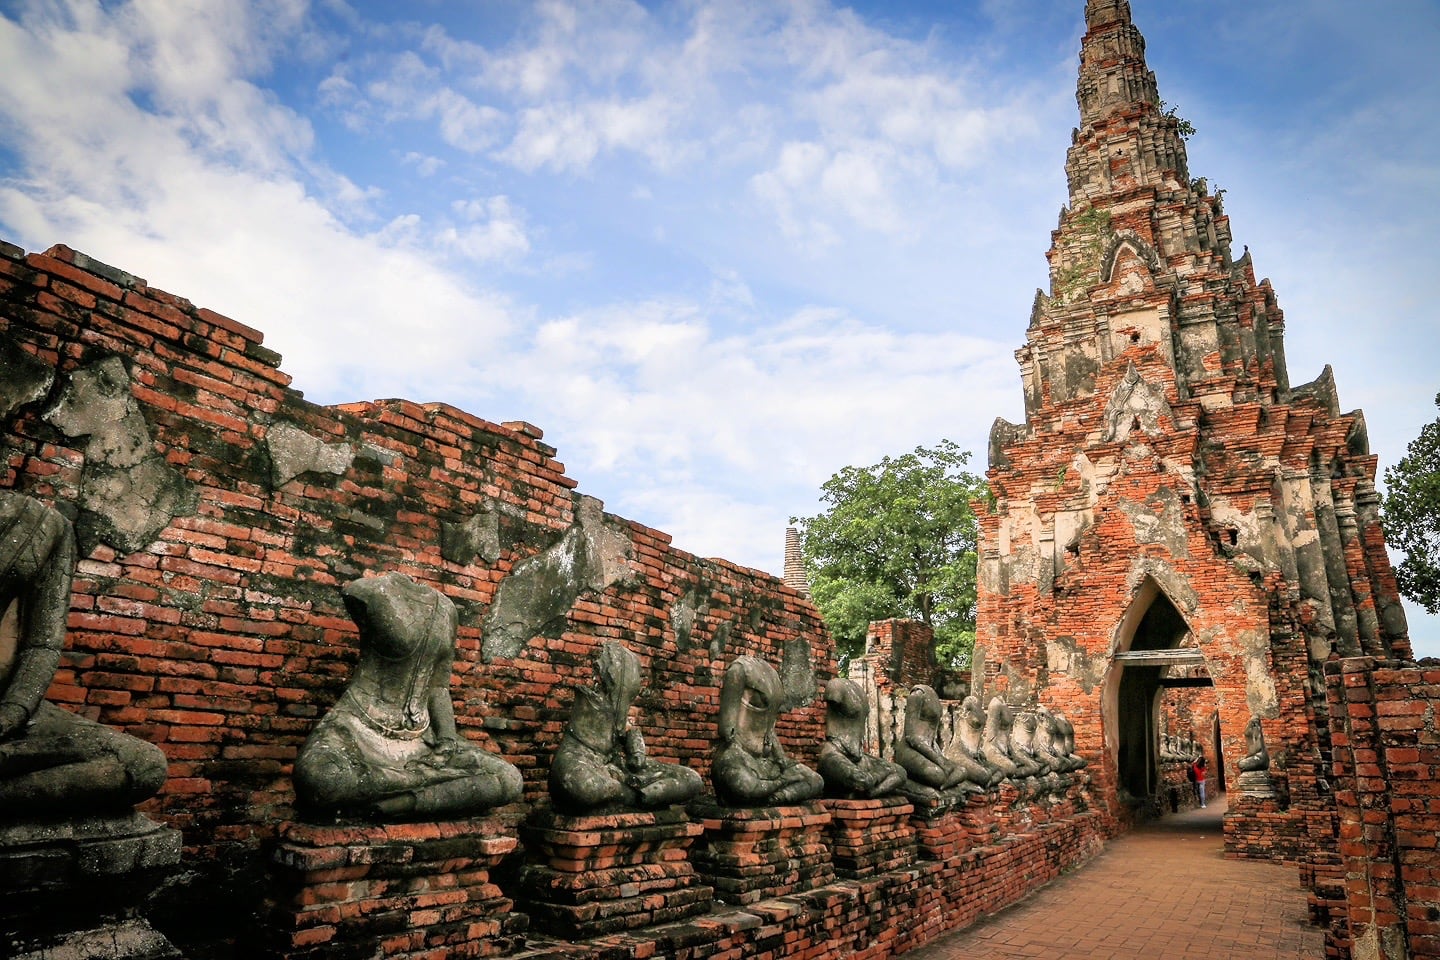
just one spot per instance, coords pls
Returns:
(1179, 541)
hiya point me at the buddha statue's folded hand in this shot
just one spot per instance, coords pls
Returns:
(13, 718)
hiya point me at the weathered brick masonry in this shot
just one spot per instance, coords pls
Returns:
(1385, 727)
(222, 636)
(219, 513)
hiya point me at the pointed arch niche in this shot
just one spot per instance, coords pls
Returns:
(1149, 641)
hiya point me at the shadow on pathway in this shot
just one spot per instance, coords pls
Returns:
(1164, 890)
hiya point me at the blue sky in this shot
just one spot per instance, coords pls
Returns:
(716, 249)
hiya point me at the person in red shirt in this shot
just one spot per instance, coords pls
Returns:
(1197, 769)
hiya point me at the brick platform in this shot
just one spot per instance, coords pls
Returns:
(870, 836)
(940, 834)
(407, 890)
(749, 855)
(69, 884)
(593, 875)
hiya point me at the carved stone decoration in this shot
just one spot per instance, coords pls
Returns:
(128, 493)
(601, 764)
(967, 746)
(52, 762)
(1254, 779)
(750, 768)
(537, 596)
(23, 378)
(479, 536)
(293, 452)
(995, 741)
(849, 772)
(919, 752)
(1135, 404)
(389, 748)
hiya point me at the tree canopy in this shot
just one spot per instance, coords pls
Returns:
(1412, 516)
(898, 539)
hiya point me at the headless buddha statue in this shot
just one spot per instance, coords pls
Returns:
(918, 749)
(1046, 743)
(968, 743)
(601, 762)
(996, 737)
(1257, 756)
(1022, 747)
(1065, 742)
(750, 768)
(389, 748)
(52, 762)
(850, 773)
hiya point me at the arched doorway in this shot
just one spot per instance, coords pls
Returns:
(1150, 639)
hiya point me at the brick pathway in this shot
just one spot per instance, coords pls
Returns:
(1164, 891)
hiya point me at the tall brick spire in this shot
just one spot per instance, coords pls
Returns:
(1169, 492)
(1125, 137)
(1140, 240)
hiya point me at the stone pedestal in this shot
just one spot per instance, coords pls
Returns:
(759, 853)
(1256, 783)
(73, 890)
(589, 876)
(940, 834)
(393, 890)
(1013, 812)
(979, 819)
(870, 836)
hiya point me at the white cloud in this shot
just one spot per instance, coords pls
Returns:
(236, 230)
(632, 382)
(494, 230)
(424, 164)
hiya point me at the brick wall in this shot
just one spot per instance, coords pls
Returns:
(1385, 729)
(869, 919)
(900, 653)
(223, 637)
(213, 626)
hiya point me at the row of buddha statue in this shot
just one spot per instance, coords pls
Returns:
(1177, 749)
(390, 748)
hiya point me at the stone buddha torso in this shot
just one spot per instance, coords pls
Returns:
(53, 763)
(389, 747)
(750, 767)
(601, 761)
(850, 772)
(995, 741)
(918, 750)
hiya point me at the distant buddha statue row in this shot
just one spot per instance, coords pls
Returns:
(1176, 749)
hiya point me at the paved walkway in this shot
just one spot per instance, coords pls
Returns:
(1164, 891)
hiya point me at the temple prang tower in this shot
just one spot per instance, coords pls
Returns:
(1171, 501)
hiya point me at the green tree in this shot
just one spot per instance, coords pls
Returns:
(898, 539)
(1412, 516)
